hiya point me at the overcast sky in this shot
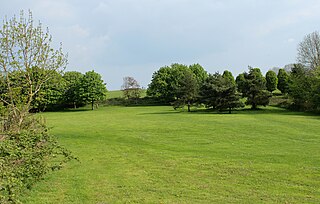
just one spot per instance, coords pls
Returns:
(119, 38)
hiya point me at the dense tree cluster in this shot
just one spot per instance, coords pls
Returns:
(64, 90)
(181, 85)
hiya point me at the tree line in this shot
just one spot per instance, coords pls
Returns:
(60, 90)
(182, 85)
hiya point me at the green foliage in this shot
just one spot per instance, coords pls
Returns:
(26, 156)
(283, 81)
(29, 78)
(72, 95)
(199, 72)
(254, 88)
(92, 88)
(186, 90)
(165, 81)
(241, 82)
(229, 77)
(52, 93)
(220, 93)
(272, 81)
(304, 88)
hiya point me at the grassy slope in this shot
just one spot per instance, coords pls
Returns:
(156, 155)
(118, 93)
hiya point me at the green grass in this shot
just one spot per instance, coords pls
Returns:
(118, 94)
(114, 94)
(158, 155)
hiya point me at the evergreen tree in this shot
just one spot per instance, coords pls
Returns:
(272, 80)
(254, 88)
(218, 93)
(283, 81)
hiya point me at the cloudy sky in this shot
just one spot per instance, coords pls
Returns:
(119, 38)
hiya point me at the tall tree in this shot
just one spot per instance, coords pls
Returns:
(186, 90)
(27, 64)
(272, 80)
(218, 93)
(283, 81)
(255, 88)
(25, 48)
(93, 88)
(309, 50)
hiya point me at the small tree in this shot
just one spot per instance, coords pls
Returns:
(283, 81)
(272, 80)
(92, 88)
(131, 88)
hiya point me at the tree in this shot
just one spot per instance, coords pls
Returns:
(27, 64)
(272, 81)
(283, 81)
(51, 95)
(300, 88)
(199, 72)
(24, 49)
(131, 88)
(241, 81)
(309, 51)
(218, 93)
(254, 88)
(304, 88)
(229, 77)
(164, 82)
(186, 90)
(72, 95)
(92, 88)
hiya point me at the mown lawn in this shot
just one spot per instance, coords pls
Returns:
(158, 155)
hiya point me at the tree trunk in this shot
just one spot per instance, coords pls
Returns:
(229, 110)
(74, 105)
(188, 106)
(92, 103)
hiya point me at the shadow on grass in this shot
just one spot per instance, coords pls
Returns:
(244, 111)
(72, 110)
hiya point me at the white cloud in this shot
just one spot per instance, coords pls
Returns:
(77, 30)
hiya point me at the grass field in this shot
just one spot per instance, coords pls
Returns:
(158, 155)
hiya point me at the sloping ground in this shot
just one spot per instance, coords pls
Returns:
(157, 155)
